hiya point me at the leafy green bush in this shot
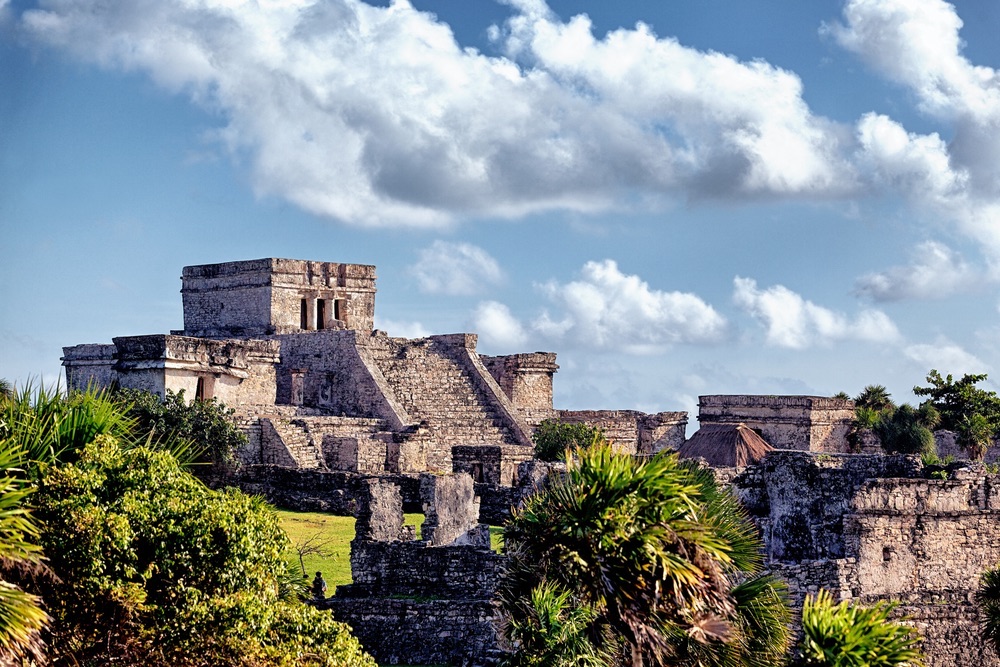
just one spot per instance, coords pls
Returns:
(903, 433)
(208, 425)
(158, 569)
(553, 438)
(846, 635)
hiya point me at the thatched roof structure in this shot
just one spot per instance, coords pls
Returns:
(726, 445)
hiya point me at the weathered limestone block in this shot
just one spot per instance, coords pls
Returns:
(380, 512)
(451, 508)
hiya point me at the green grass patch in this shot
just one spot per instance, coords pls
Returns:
(322, 542)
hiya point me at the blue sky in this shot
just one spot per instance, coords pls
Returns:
(678, 198)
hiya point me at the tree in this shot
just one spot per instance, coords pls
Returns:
(956, 399)
(903, 432)
(846, 635)
(553, 438)
(660, 565)
(876, 397)
(161, 570)
(207, 425)
(963, 407)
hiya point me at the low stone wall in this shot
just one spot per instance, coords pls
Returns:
(335, 492)
(416, 570)
(423, 632)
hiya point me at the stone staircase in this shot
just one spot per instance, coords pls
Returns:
(436, 390)
(298, 441)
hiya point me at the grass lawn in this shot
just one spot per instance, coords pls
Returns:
(324, 543)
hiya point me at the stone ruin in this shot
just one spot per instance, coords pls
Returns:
(345, 419)
(427, 601)
(291, 346)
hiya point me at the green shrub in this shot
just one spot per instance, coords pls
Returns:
(903, 433)
(553, 438)
(206, 424)
(846, 635)
(158, 569)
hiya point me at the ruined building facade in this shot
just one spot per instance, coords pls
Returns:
(291, 346)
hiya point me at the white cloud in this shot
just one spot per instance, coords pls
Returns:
(455, 268)
(935, 271)
(376, 115)
(401, 329)
(496, 326)
(797, 323)
(916, 43)
(610, 309)
(945, 356)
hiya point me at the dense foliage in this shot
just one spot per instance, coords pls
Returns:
(145, 565)
(846, 635)
(901, 429)
(553, 438)
(622, 561)
(206, 424)
(972, 412)
(166, 571)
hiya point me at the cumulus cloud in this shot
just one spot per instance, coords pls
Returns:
(497, 326)
(376, 115)
(455, 268)
(797, 323)
(916, 43)
(606, 308)
(935, 271)
(401, 329)
(945, 356)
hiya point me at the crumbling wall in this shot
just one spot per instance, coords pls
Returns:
(428, 601)
(870, 528)
(632, 431)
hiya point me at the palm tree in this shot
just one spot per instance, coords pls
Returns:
(988, 599)
(21, 616)
(874, 396)
(667, 564)
(846, 635)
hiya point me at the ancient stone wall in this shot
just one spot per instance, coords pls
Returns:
(267, 296)
(89, 365)
(870, 528)
(808, 423)
(526, 379)
(427, 601)
(490, 464)
(332, 491)
(632, 431)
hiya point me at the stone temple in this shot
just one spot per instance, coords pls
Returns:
(291, 346)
